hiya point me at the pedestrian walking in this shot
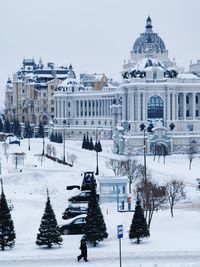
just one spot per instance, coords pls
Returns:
(83, 248)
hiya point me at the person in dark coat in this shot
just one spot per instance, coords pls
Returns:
(83, 248)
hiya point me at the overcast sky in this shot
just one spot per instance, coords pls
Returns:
(93, 35)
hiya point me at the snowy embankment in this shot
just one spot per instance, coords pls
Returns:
(173, 241)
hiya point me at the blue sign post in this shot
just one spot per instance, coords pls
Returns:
(120, 236)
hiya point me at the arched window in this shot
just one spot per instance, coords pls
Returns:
(155, 108)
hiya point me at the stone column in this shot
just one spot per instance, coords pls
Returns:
(193, 106)
(168, 106)
(139, 107)
(177, 107)
(184, 106)
(132, 106)
(173, 106)
(144, 108)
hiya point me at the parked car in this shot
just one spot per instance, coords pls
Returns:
(74, 226)
(83, 196)
(73, 211)
(87, 180)
(70, 187)
(14, 142)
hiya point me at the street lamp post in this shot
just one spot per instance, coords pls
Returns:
(145, 158)
(43, 145)
(64, 123)
(143, 128)
(96, 147)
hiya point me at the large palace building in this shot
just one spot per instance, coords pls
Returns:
(156, 102)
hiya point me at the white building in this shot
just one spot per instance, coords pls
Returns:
(153, 92)
(84, 109)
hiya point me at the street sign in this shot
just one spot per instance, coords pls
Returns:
(120, 231)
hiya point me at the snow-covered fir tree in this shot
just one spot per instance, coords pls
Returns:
(95, 228)
(83, 142)
(49, 233)
(139, 226)
(41, 130)
(7, 231)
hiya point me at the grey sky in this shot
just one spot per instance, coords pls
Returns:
(93, 35)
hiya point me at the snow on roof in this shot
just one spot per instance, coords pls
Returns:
(187, 76)
(70, 81)
(148, 62)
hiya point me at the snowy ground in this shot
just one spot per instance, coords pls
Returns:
(173, 241)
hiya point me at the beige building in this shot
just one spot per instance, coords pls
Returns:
(29, 96)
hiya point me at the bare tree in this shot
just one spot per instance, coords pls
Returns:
(114, 165)
(175, 191)
(5, 147)
(49, 149)
(132, 170)
(152, 197)
(41, 158)
(72, 158)
(53, 151)
(191, 151)
(18, 158)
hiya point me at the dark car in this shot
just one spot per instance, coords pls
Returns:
(87, 181)
(83, 196)
(14, 142)
(73, 211)
(74, 226)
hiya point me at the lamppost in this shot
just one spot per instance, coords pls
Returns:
(43, 145)
(29, 136)
(143, 128)
(64, 123)
(98, 149)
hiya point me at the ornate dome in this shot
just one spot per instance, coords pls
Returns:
(146, 37)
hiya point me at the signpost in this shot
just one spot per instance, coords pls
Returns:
(120, 235)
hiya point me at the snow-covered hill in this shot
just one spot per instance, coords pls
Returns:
(173, 241)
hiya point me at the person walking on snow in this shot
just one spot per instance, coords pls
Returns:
(83, 248)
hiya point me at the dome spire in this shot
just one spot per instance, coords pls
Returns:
(149, 24)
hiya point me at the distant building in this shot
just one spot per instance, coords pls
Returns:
(29, 95)
(84, 105)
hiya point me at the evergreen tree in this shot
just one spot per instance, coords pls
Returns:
(49, 233)
(95, 228)
(97, 146)
(52, 137)
(139, 226)
(87, 143)
(16, 128)
(1, 125)
(7, 126)
(56, 137)
(28, 131)
(83, 143)
(91, 145)
(60, 138)
(41, 130)
(7, 232)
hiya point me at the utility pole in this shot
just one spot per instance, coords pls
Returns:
(64, 123)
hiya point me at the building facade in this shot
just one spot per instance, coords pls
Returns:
(154, 93)
(29, 95)
(83, 106)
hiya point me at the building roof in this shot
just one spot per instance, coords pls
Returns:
(141, 42)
